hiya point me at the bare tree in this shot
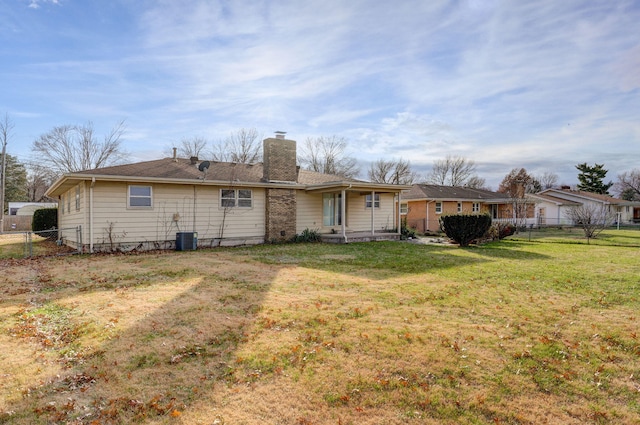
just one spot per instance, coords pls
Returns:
(453, 171)
(391, 171)
(548, 180)
(242, 146)
(517, 184)
(191, 147)
(593, 219)
(71, 148)
(326, 155)
(6, 127)
(39, 179)
(476, 182)
(628, 185)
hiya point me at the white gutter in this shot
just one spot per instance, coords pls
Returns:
(93, 182)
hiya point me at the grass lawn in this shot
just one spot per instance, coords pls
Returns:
(511, 332)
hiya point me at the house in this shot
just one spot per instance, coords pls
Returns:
(553, 205)
(149, 205)
(21, 215)
(423, 205)
(28, 208)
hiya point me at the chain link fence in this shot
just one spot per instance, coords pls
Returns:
(42, 243)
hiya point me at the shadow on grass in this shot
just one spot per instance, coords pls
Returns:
(191, 313)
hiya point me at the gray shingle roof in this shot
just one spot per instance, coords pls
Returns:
(180, 168)
(430, 191)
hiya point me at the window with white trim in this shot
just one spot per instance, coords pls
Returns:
(236, 198)
(62, 204)
(376, 203)
(438, 207)
(78, 198)
(476, 207)
(69, 202)
(140, 197)
(459, 207)
(404, 208)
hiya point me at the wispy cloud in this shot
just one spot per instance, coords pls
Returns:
(506, 84)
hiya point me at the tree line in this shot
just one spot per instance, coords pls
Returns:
(72, 148)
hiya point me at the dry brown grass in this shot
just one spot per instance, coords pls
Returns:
(273, 335)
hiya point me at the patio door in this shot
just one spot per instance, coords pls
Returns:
(331, 209)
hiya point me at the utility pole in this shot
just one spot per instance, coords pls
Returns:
(5, 130)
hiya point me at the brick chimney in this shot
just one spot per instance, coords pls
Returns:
(279, 166)
(279, 159)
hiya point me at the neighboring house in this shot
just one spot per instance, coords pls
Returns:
(145, 205)
(553, 205)
(424, 204)
(21, 215)
(28, 208)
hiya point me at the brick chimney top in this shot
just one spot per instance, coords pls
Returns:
(280, 134)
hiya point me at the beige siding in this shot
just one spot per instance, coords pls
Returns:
(71, 218)
(309, 213)
(175, 209)
(359, 217)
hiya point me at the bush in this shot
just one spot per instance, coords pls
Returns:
(45, 219)
(406, 232)
(501, 230)
(307, 235)
(465, 228)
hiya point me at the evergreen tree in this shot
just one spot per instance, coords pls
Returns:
(591, 178)
(16, 181)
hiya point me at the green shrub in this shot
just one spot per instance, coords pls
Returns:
(43, 220)
(465, 228)
(307, 235)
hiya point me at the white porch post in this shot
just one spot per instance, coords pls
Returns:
(343, 209)
(399, 216)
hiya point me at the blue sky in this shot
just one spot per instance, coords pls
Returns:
(543, 85)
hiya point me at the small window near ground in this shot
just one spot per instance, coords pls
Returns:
(438, 207)
(404, 208)
(376, 202)
(140, 197)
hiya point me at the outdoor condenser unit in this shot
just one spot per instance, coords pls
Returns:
(186, 241)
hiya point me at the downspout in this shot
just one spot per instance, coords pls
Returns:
(93, 182)
(399, 216)
(194, 208)
(426, 225)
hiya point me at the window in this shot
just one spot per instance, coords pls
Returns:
(404, 208)
(332, 209)
(62, 204)
(69, 202)
(231, 198)
(459, 207)
(376, 202)
(438, 207)
(140, 197)
(78, 198)
(476, 207)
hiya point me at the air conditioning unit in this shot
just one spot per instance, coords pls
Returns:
(186, 241)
